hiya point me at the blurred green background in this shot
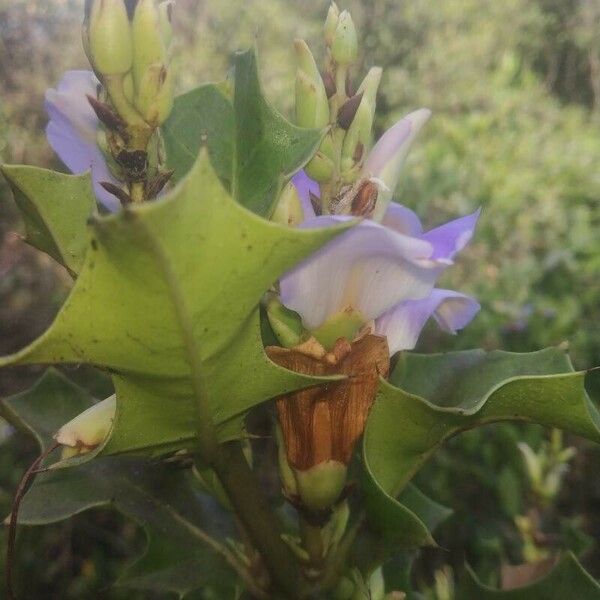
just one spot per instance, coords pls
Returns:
(515, 91)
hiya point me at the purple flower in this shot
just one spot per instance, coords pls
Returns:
(72, 131)
(382, 273)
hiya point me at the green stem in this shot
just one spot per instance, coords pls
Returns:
(337, 561)
(137, 192)
(312, 542)
(253, 510)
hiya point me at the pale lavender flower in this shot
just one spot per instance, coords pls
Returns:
(72, 131)
(385, 272)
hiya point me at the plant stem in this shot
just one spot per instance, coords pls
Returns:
(253, 510)
(137, 192)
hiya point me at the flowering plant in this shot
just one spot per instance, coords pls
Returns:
(230, 264)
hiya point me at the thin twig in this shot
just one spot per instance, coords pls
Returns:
(12, 528)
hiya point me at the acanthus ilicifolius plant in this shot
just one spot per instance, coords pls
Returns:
(227, 262)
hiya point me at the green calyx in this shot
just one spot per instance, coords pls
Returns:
(321, 486)
(345, 324)
(286, 324)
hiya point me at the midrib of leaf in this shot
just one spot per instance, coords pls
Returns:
(207, 436)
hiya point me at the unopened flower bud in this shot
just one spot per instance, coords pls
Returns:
(165, 10)
(331, 22)
(89, 429)
(358, 136)
(154, 98)
(286, 324)
(312, 106)
(148, 45)
(344, 48)
(288, 210)
(109, 37)
(320, 168)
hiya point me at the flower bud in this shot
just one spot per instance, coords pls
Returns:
(320, 168)
(165, 10)
(358, 136)
(312, 106)
(89, 429)
(109, 37)
(331, 22)
(288, 210)
(148, 45)
(344, 47)
(286, 324)
(154, 98)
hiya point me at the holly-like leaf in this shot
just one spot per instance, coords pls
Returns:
(268, 148)
(254, 149)
(55, 208)
(203, 116)
(567, 580)
(167, 300)
(179, 522)
(430, 398)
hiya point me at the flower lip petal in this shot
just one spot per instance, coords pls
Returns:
(450, 238)
(402, 219)
(403, 323)
(367, 269)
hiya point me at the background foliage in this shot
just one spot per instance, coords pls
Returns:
(515, 90)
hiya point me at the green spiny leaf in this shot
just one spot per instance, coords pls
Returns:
(181, 554)
(431, 398)
(268, 148)
(169, 291)
(567, 580)
(55, 208)
(203, 116)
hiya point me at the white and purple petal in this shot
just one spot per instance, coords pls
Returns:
(72, 130)
(402, 220)
(368, 269)
(450, 238)
(403, 323)
(386, 159)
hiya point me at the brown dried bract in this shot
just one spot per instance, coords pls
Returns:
(323, 422)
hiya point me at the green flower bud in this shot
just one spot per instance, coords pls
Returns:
(344, 48)
(320, 168)
(358, 137)
(154, 98)
(128, 87)
(89, 429)
(165, 10)
(109, 37)
(288, 210)
(148, 46)
(321, 486)
(312, 106)
(286, 324)
(370, 85)
(331, 22)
